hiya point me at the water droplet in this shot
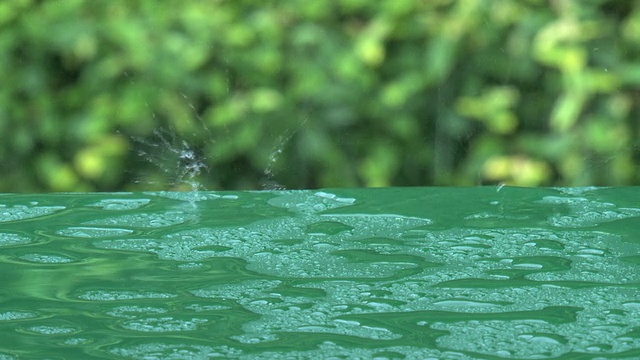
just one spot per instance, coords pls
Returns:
(467, 303)
(121, 204)
(111, 295)
(51, 330)
(20, 212)
(145, 220)
(76, 341)
(10, 239)
(93, 232)
(46, 258)
(164, 324)
(176, 351)
(17, 315)
(131, 312)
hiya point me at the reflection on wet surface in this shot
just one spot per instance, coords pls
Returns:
(412, 273)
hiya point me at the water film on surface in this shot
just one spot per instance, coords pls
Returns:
(414, 273)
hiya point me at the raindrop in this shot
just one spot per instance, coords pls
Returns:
(93, 232)
(9, 239)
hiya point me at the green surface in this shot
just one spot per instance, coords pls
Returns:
(415, 273)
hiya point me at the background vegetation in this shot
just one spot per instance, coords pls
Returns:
(105, 95)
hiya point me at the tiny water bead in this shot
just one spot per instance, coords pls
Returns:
(51, 330)
(107, 295)
(358, 273)
(46, 258)
(176, 351)
(163, 324)
(146, 220)
(10, 239)
(92, 232)
(24, 212)
(17, 315)
(121, 204)
(132, 311)
(582, 212)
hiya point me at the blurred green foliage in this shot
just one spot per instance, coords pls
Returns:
(322, 93)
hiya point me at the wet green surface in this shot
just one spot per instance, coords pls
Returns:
(415, 273)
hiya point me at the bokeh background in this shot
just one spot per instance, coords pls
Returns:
(110, 95)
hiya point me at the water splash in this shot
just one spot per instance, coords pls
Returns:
(270, 171)
(177, 159)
